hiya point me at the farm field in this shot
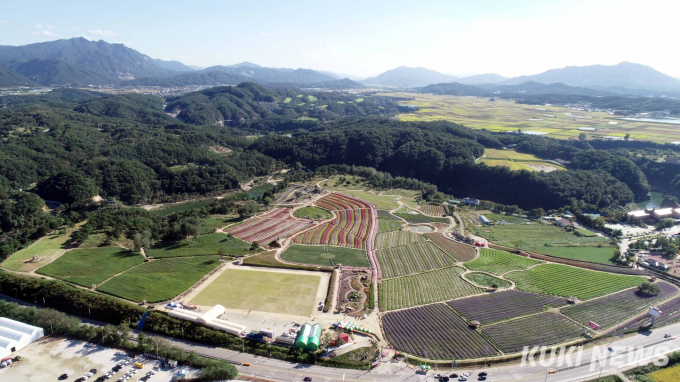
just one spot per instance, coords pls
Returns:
(383, 202)
(213, 222)
(287, 196)
(411, 259)
(401, 192)
(325, 255)
(180, 207)
(396, 238)
(160, 280)
(202, 245)
(505, 305)
(671, 314)
(386, 215)
(610, 310)
(462, 252)
(567, 281)
(263, 291)
(412, 216)
(539, 330)
(435, 332)
(602, 255)
(517, 161)
(340, 183)
(502, 115)
(499, 262)
(46, 248)
(431, 210)
(389, 225)
(424, 288)
(313, 213)
(91, 266)
(487, 280)
(268, 227)
(668, 374)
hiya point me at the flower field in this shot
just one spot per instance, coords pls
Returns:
(563, 280)
(268, 227)
(424, 288)
(415, 217)
(486, 280)
(538, 330)
(431, 210)
(500, 306)
(396, 238)
(411, 259)
(435, 332)
(499, 262)
(610, 310)
(460, 251)
(340, 202)
(671, 314)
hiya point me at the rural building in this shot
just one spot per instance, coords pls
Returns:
(209, 318)
(662, 213)
(563, 222)
(561, 161)
(303, 336)
(471, 201)
(15, 335)
(640, 214)
(484, 220)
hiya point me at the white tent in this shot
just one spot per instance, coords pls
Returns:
(14, 335)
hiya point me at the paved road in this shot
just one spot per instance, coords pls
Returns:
(293, 372)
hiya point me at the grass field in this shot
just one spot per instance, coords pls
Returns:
(207, 244)
(275, 292)
(602, 255)
(401, 192)
(389, 225)
(486, 280)
(91, 266)
(416, 217)
(669, 374)
(325, 255)
(499, 262)
(167, 210)
(213, 222)
(46, 249)
(382, 202)
(566, 281)
(502, 115)
(339, 183)
(516, 161)
(160, 280)
(313, 213)
(585, 232)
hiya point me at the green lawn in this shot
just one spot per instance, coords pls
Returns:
(499, 262)
(382, 202)
(213, 222)
(486, 280)
(91, 265)
(262, 291)
(389, 225)
(586, 233)
(593, 254)
(165, 211)
(325, 255)
(160, 280)
(207, 244)
(416, 217)
(46, 248)
(313, 213)
(567, 281)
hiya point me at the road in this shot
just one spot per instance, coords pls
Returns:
(277, 370)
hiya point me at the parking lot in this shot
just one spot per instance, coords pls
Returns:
(50, 357)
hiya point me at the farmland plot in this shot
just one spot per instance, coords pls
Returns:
(501, 306)
(499, 262)
(416, 217)
(567, 281)
(486, 280)
(396, 238)
(671, 314)
(434, 332)
(389, 225)
(424, 288)
(610, 310)
(288, 196)
(411, 259)
(431, 210)
(208, 244)
(266, 228)
(543, 329)
(460, 251)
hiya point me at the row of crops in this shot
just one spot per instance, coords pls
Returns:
(487, 280)
(396, 238)
(435, 332)
(499, 262)
(424, 288)
(460, 251)
(501, 306)
(340, 202)
(277, 223)
(412, 259)
(539, 330)
(432, 210)
(610, 310)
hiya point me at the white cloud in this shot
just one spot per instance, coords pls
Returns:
(43, 33)
(99, 32)
(443, 21)
(265, 34)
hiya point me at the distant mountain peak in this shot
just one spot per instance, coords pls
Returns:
(244, 63)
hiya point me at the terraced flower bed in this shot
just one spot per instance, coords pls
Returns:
(611, 310)
(266, 228)
(500, 306)
(434, 332)
(460, 251)
(424, 288)
(487, 280)
(432, 210)
(567, 281)
(396, 238)
(411, 259)
(543, 329)
(499, 262)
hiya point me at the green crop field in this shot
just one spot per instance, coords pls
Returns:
(169, 209)
(262, 291)
(602, 255)
(424, 288)
(383, 202)
(567, 281)
(46, 248)
(325, 255)
(402, 192)
(213, 222)
(416, 217)
(499, 262)
(389, 225)
(486, 280)
(92, 265)
(207, 244)
(586, 233)
(313, 213)
(160, 280)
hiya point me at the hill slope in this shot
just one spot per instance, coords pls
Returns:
(260, 74)
(405, 76)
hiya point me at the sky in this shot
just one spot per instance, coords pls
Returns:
(365, 38)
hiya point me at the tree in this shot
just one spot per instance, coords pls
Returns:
(649, 288)
(221, 370)
(665, 223)
(627, 136)
(141, 240)
(248, 209)
(254, 245)
(582, 137)
(67, 187)
(221, 252)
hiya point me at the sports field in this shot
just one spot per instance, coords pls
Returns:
(326, 255)
(207, 244)
(276, 292)
(46, 249)
(503, 115)
(91, 265)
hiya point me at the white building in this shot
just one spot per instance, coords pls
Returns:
(15, 335)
